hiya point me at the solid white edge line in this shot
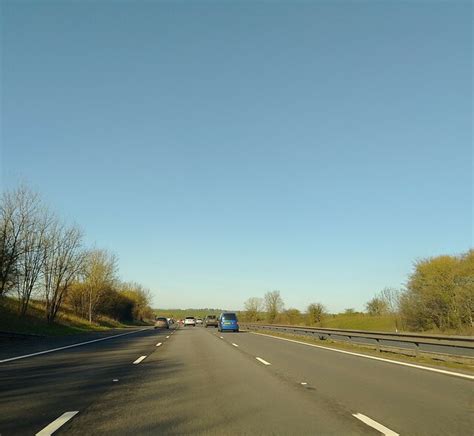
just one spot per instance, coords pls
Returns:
(159, 344)
(140, 359)
(263, 361)
(235, 345)
(69, 346)
(396, 362)
(374, 424)
(58, 422)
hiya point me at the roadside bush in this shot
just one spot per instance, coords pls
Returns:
(440, 294)
(315, 313)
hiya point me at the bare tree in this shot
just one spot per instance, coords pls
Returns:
(99, 275)
(273, 304)
(31, 242)
(391, 297)
(253, 306)
(12, 223)
(63, 260)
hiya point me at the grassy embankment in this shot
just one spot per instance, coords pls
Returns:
(34, 321)
(361, 321)
(364, 321)
(384, 323)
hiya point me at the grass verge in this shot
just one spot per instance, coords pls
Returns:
(370, 351)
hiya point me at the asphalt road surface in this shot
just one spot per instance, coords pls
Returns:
(457, 350)
(201, 382)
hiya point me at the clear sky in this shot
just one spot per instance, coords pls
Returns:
(226, 148)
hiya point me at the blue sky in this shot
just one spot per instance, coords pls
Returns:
(224, 149)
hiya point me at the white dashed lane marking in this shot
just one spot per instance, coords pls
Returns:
(57, 423)
(366, 356)
(374, 424)
(263, 361)
(140, 359)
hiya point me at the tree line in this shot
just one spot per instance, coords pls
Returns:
(271, 309)
(44, 258)
(439, 295)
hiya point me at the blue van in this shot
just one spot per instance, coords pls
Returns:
(228, 321)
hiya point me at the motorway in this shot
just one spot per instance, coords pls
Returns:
(201, 382)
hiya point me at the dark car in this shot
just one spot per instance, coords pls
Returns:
(228, 322)
(211, 321)
(161, 322)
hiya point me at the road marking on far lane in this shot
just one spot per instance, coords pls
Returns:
(51, 428)
(366, 356)
(159, 344)
(263, 361)
(140, 359)
(374, 424)
(222, 337)
(235, 345)
(167, 337)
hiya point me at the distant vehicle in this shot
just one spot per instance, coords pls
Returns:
(228, 322)
(198, 321)
(161, 322)
(190, 321)
(211, 321)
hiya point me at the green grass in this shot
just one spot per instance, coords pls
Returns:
(360, 321)
(34, 321)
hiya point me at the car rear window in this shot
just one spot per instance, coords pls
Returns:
(229, 316)
(190, 317)
(211, 317)
(161, 319)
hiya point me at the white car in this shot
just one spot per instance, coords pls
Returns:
(190, 321)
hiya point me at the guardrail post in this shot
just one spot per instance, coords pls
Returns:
(377, 345)
(417, 348)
